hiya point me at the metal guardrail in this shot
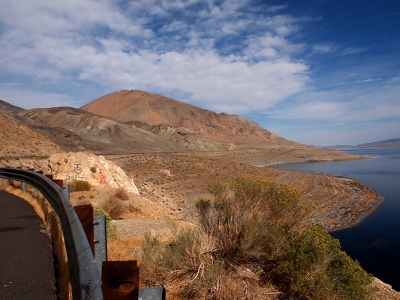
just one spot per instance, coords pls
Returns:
(85, 278)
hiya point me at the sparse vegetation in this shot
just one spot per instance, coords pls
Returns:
(122, 194)
(111, 228)
(80, 186)
(93, 169)
(115, 207)
(254, 235)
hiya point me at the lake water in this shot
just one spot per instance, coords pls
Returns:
(375, 242)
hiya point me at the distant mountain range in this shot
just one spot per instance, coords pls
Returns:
(384, 143)
(390, 143)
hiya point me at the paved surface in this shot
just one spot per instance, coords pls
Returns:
(26, 258)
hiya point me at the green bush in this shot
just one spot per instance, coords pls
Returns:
(314, 265)
(110, 227)
(253, 214)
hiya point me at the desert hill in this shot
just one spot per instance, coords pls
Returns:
(79, 130)
(138, 106)
(19, 140)
(7, 107)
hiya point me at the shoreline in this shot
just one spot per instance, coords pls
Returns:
(346, 222)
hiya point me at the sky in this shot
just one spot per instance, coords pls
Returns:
(319, 72)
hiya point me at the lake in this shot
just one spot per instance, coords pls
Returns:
(375, 242)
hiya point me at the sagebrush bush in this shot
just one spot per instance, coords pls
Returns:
(122, 194)
(255, 233)
(80, 186)
(114, 206)
(314, 265)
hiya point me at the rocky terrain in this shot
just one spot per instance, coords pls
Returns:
(17, 139)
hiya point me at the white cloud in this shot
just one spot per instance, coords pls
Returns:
(96, 41)
(317, 110)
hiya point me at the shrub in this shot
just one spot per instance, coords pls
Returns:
(314, 265)
(254, 214)
(255, 232)
(80, 185)
(188, 259)
(110, 227)
(93, 169)
(122, 194)
(114, 207)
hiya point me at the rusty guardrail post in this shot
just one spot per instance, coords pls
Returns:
(85, 215)
(120, 280)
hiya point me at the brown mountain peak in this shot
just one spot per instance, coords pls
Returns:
(138, 106)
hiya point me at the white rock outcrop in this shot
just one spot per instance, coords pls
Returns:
(94, 169)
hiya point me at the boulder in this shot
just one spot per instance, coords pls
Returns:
(94, 169)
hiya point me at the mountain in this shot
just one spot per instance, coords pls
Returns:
(138, 106)
(384, 143)
(7, 107)
(139, 122)
(78, 130)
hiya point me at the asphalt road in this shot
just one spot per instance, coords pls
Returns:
(26, 258)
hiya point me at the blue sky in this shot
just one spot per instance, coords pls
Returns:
(319, 72)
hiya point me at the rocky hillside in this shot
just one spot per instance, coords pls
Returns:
(17, 139)
(138, 106)
(79, 130)
(7, 107)
(140, 122)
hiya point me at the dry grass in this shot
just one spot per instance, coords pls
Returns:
(3, 183)
(189, 270)
(53, 229)
(128, 248)
(114, 206)
(122, 194)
